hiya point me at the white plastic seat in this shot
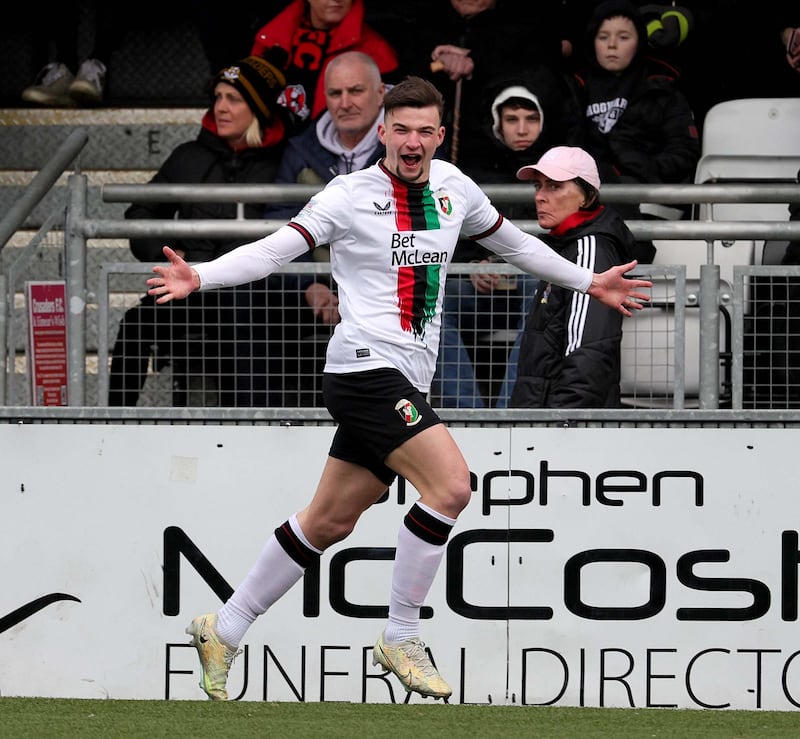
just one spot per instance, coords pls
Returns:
(648, 349)
(741, 168)
(749, 140)
(763, 126)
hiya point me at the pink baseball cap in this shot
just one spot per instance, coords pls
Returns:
(562, 163)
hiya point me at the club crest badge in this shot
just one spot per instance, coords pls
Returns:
(408, 412)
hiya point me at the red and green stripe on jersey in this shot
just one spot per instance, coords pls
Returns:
(418, 285)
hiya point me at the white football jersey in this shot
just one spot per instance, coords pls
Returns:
(391, 243)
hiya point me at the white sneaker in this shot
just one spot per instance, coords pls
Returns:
(51, 87)
(90, 82)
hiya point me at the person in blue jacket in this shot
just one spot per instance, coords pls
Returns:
(345, 137)
(342, 140)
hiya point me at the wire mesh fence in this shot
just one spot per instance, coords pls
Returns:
(260, 345)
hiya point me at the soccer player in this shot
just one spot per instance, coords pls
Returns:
(392, 228)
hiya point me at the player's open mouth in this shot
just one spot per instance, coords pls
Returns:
(411, 160)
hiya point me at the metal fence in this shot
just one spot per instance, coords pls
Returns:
(258, 345)
(705, 342)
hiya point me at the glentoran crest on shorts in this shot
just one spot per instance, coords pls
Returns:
(408, 412)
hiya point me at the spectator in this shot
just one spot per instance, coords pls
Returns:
(344, 139)
(522, 121)
(628, 113)
(680, 35)
(471, 43)
(570, 351)
(63, 82)
(241, 141)
(312, 32)
(790, 38)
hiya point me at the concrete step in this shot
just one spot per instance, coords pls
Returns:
(125, 145)
(119, 138)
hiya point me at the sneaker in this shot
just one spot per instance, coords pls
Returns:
(216, 658)
(90, 82)
(51, 87)
(410, 662)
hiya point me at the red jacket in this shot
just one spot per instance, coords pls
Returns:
(352, 34)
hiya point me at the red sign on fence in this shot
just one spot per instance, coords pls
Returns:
(47, 342)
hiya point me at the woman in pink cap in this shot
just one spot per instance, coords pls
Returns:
(568, 355)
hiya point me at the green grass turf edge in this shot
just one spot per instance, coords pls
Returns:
(56, 717)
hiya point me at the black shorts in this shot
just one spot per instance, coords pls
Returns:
(377, 410)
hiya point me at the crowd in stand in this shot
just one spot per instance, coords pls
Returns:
(628, 83)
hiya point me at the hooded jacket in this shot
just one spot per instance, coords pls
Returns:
(636, 124)
(570, 351)
(316, 156)
(290, 30)
(206, 160)
(490, 161)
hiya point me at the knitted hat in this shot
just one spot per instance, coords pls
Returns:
(259, 82)
(563, 163)
(513, 92)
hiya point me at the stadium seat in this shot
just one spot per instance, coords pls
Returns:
(656, 371)
(753, 126)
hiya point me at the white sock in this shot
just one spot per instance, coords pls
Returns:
(416, 563)
(272, 575)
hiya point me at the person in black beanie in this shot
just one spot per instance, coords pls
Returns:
(241, 141)
(260, 82)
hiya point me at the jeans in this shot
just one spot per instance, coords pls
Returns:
(526, 286)
(466, 315)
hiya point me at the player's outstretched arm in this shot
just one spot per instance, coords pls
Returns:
(175, 280)
(615, 290)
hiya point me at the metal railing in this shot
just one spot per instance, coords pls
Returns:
(39, 186)
(80, 229)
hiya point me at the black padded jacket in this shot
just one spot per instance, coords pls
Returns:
(570, 351)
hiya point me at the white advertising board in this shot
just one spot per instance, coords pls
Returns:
(596, 567)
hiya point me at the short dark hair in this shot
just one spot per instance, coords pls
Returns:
(414, 92)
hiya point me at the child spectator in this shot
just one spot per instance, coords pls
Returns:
(628, 113)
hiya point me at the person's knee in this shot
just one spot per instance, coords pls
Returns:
(323, 533)
(454, 497)
(462, 490)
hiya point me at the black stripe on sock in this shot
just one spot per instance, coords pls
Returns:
(428, 528)
(295, 548)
